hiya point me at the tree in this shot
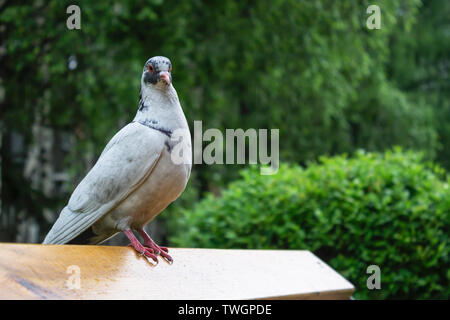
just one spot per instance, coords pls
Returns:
(310, 68)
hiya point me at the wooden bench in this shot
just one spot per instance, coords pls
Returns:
(33, 271)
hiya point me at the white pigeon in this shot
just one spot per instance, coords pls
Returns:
(136, 176)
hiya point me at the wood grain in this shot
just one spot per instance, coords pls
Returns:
(31, 271)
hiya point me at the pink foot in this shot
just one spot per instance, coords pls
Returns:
(148, 252)
(162, 251)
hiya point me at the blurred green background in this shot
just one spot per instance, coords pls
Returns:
(309, 68)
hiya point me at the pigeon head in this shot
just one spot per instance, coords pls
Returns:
(157, 72)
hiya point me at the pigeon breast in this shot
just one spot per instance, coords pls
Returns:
(164, 185)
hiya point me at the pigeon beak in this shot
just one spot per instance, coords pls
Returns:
(165, 77)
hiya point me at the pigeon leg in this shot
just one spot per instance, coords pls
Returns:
(139, 247)
(148, 242)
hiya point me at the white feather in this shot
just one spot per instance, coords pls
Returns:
(127, 161)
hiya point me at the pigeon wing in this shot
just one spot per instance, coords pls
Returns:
(128, 159)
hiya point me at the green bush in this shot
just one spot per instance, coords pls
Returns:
(390, 210)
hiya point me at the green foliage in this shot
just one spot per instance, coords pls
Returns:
(309, 68)
(390, 210)
(419, 66)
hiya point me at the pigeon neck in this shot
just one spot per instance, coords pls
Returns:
(158, 106)
(158, 95)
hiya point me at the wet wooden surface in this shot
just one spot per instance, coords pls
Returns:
(31, 271)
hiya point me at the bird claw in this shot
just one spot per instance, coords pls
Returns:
(147, 253)
(150, 249)
(155, 260)
(168, 259)
(150, 255)
(165, 256)
(160, 251)
(153, 250)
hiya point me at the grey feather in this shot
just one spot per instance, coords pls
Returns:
(134, 178)
(121, 168)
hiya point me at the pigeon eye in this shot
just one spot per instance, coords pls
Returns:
(150, 68)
